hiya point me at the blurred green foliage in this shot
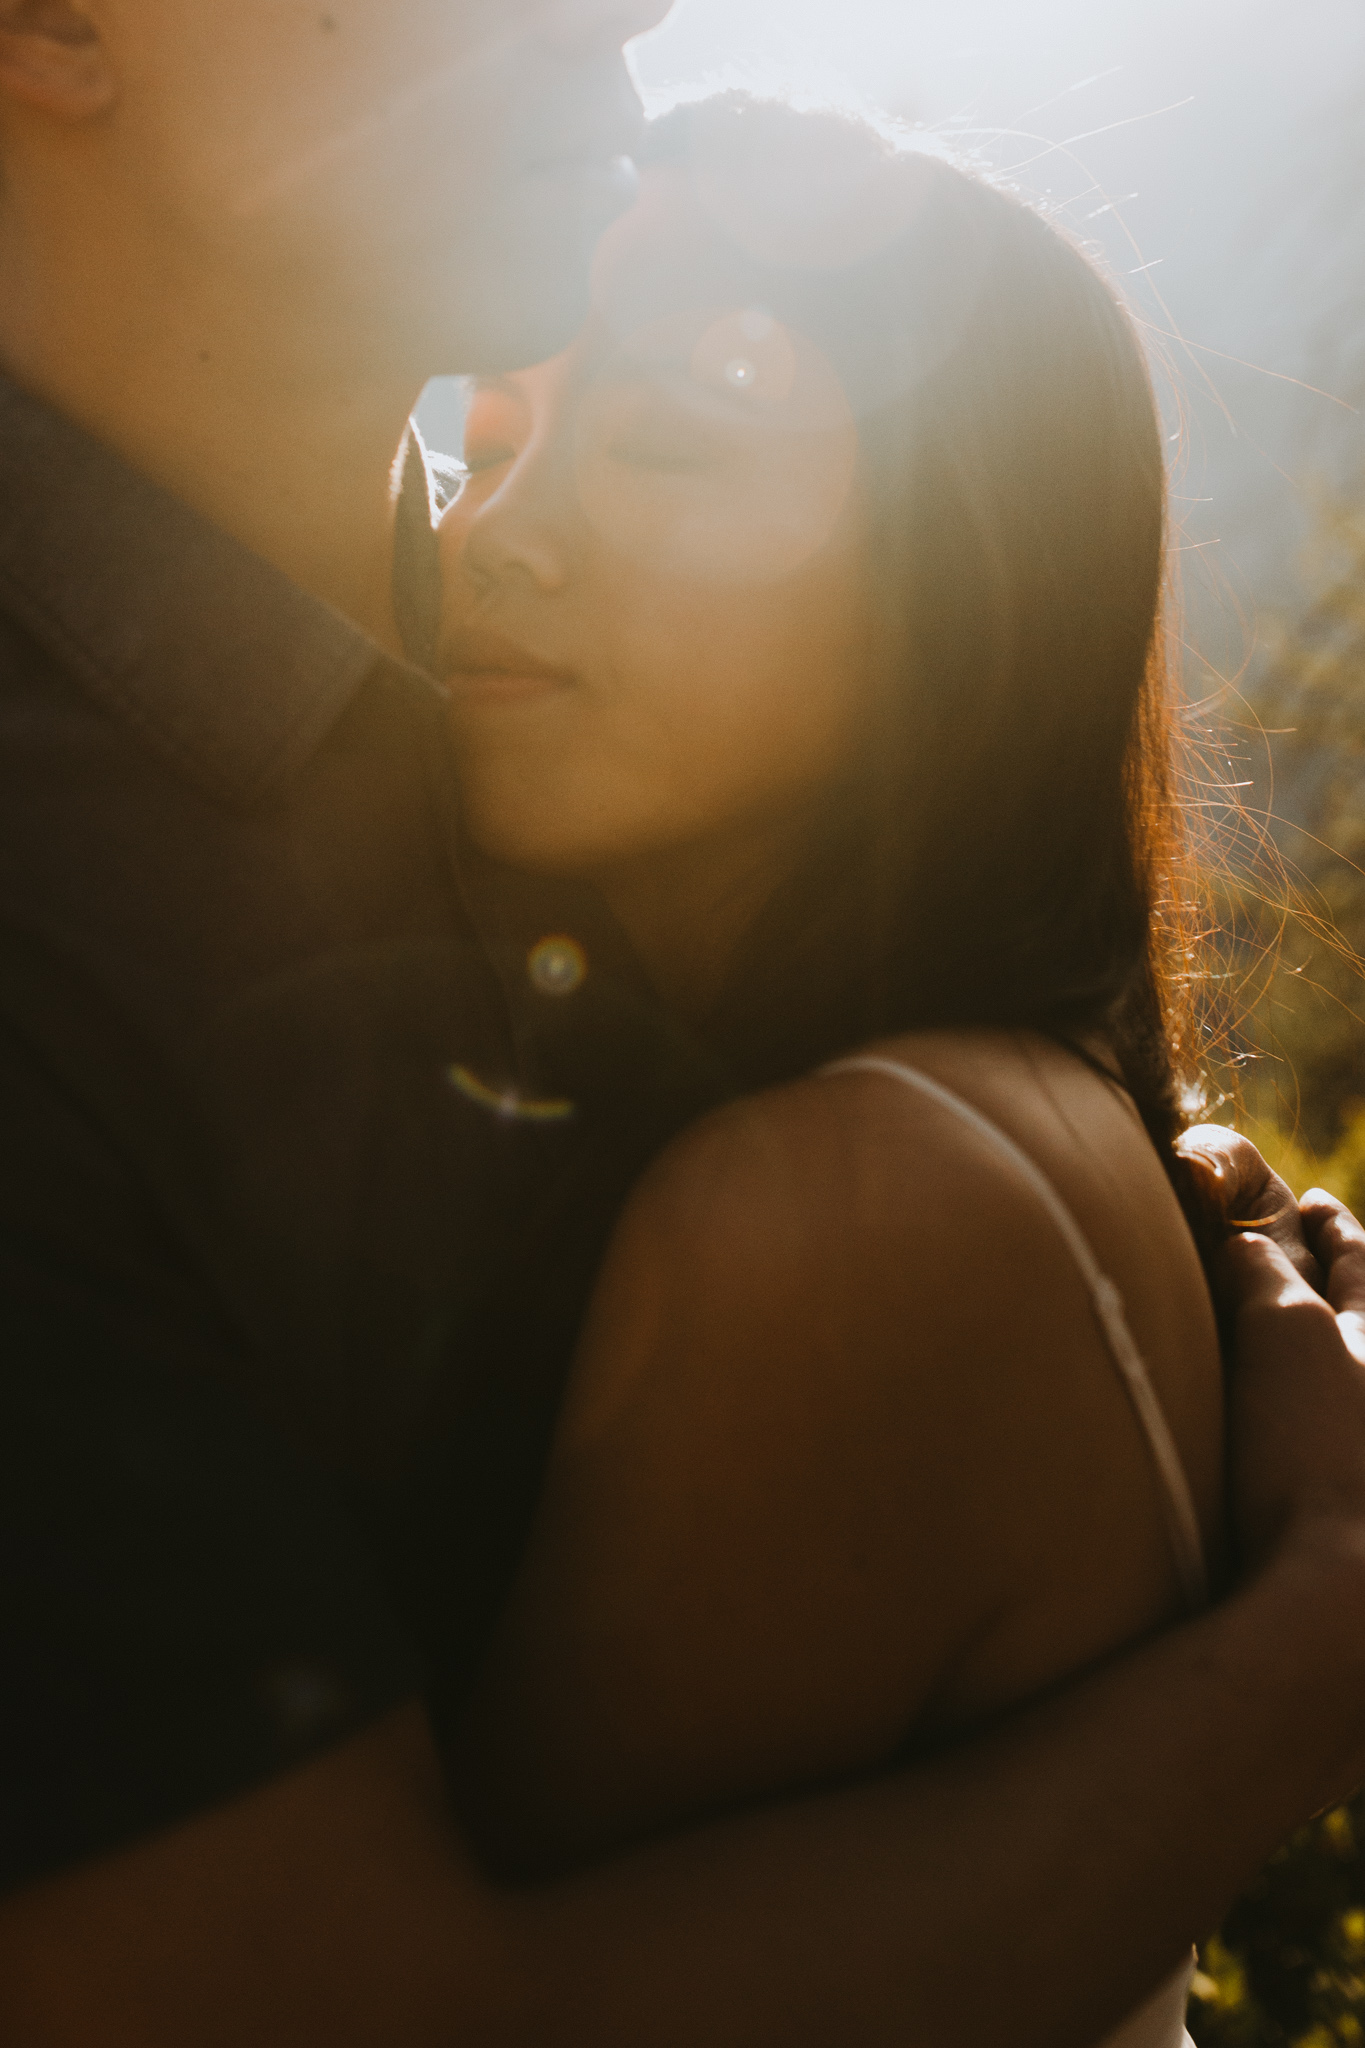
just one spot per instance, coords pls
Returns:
(1287, 1970)
(1289, 1965)
(1288, 879)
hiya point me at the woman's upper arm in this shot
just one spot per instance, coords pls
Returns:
(752, 1560)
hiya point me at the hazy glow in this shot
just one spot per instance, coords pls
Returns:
(1207, 153)
(913, 57)
(995, 60)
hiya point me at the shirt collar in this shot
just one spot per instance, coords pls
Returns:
(222, 665)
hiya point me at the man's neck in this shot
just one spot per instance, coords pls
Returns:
(287, 448)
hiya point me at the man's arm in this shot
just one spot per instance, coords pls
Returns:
(1030, 1887)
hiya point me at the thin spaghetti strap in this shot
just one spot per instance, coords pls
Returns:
(1182, 1523)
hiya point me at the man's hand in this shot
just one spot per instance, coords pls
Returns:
(1297, 1392)
(1338, 1239)
(1241, 1189)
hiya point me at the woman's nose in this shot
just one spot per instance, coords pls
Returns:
(516, 534)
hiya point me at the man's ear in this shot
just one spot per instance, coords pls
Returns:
(53, 57)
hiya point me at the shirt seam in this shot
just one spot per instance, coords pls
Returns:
(106, 683)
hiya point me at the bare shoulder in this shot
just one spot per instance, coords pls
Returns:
(833, 1170)
(855, 1209)
(865, 1289)
(844, 1456)
(924, 1159)
(751, 1563)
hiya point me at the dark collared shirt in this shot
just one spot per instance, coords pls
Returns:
(303, 1171)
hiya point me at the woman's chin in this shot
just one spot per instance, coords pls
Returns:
(532, 844)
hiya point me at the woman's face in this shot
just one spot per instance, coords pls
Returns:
(655, 622)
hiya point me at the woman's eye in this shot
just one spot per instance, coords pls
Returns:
(480, 455)
(495, 428)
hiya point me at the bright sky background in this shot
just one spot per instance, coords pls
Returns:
(906, 54)
(1196, 102)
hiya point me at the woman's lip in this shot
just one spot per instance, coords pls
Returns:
(504, 686)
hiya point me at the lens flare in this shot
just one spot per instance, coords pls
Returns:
(755, 354)
(508, 1103)
(741, 495)
(558, 965)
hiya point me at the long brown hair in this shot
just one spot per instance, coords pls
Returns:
(1010, 850)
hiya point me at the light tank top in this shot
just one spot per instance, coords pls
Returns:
(1160, 2022)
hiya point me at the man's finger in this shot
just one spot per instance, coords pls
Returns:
(1233, 1162)
(1263, 1277)
(1243, 1191)
(1338, 1238)
(1296, 1401)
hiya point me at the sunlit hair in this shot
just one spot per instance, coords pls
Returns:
(1009, 851)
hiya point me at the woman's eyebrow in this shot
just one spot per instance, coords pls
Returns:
(630, 361)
